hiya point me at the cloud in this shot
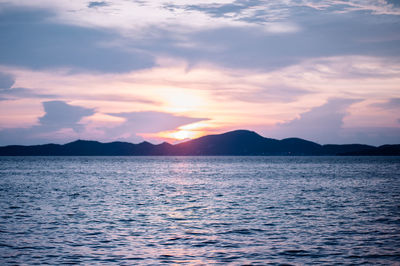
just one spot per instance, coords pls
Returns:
(322, 35)
(60, 122)
(268, 16)
(97, 4)
(128, 35)
(392, 103)
(325, 125)
(7, 92)
(22, 93)
(142, 15)
(243, 63)
(63, 122)
(230, 98)
(6, 81)
(223, 9)
(147, 122)
(322, 124)
(394, 3)
(375, 7)
(31, 39)
(62, 115)
(118, 98)
(371, 135)
(270, 93)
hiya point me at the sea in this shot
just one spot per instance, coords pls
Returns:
(200, 210)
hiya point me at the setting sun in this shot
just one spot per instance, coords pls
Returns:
(179, 135)
(182, 134)
(185, 134)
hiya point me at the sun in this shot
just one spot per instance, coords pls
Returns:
(186, 132)
(182, 134)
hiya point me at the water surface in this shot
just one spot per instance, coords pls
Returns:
(200, 210)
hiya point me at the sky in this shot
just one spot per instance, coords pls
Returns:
(135, 70)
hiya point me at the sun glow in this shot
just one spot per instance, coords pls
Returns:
(179, 135)
(182, 134)
(185, 132)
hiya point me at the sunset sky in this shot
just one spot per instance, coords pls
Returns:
(327, 71)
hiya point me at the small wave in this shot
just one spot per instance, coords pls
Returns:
(294, 252)
(243, 231)
(205, 243)
(375, 256)
(196, 233)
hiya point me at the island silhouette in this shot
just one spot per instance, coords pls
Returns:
(235, 143)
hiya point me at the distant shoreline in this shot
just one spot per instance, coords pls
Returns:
(233, 143)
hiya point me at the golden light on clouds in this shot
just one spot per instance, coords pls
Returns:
(189, 131)
(224, 99)
(184, 134)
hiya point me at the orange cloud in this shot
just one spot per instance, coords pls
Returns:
(229, 98)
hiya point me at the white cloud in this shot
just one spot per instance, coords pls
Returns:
(228, 96)
(136, 18)
(151, 19)
(377, 7)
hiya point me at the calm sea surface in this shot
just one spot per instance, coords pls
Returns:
(199, 210)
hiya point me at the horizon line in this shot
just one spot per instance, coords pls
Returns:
(188, 140)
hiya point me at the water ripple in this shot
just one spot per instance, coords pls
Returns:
(199, 210)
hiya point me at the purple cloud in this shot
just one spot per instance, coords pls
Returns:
(6, 81)
(58, 115)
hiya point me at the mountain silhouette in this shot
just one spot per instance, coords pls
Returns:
(238, 142)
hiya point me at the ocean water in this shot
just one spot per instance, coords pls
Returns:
(200, 210)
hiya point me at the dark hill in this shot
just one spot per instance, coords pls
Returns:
(296, 146)
(239, 142)
(384, 150)
(345, 149)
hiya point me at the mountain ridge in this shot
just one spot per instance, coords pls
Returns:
(237, 143)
